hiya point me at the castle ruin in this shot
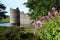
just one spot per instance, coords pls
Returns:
(19, 18)
(15, 17)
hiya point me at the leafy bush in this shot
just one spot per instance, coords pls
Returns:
(14, 33)
(10, 34)
(50, 30)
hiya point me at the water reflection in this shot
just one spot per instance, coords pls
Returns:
(4, 24)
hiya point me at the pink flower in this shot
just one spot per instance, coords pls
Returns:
(56, 12)
(49, 14)
(40, 24)
(47, 17)
(42, 17)
(36, 25)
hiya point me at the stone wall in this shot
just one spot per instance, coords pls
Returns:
(14, 17)
(24, 19)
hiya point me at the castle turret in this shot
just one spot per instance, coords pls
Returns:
(15, 17)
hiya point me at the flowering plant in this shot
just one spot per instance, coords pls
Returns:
(51, 28)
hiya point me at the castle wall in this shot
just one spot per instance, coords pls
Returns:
(14, 17)
(24, 19)
(19, 18)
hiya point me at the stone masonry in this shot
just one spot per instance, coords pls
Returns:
(17, 17)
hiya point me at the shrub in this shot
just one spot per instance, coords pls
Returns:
(50, 30)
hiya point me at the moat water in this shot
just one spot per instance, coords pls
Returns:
(4, 24)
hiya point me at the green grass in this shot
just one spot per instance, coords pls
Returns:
(3, 28)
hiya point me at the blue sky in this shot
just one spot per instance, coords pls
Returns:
(13, 4)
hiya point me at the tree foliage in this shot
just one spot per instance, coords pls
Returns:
(50, 30)
(40, 7)
(2, 11)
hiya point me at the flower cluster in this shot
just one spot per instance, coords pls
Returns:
(50, 14)
(38, 24)
(53, 14)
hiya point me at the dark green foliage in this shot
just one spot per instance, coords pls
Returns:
(2, 11)
(2, 6)
(10, 34)
(3, 28)
(40, 7)
(14, 33)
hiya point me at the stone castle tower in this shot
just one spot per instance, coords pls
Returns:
(19, 18)
(15, 17)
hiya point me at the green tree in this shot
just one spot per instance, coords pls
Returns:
(40, 7)
(2, 11)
